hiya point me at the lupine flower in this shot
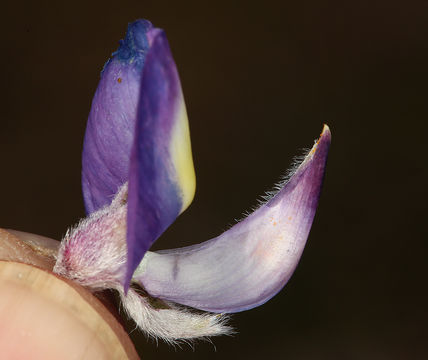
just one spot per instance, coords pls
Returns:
(138, 176)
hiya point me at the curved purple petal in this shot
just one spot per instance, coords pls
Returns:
(248, 264)
(111, 123)
(161, 177)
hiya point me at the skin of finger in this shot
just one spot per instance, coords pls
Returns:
(24, 334)
(42, 313)
(43, 244)
(28, 248)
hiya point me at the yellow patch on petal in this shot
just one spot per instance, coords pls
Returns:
(181, 152)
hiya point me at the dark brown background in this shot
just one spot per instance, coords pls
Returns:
(259, 79)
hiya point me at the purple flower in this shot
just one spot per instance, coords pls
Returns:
(138, 176)
(138, 133)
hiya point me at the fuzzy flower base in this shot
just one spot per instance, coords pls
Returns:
(100, 265)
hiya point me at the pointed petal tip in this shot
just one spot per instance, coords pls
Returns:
(325, 134)
(325, 130)
(323, 145)
(323, 141)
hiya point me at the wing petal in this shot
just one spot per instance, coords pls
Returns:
(111, 124)
(161, 178)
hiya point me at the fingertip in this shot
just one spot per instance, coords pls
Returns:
(46, 317)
